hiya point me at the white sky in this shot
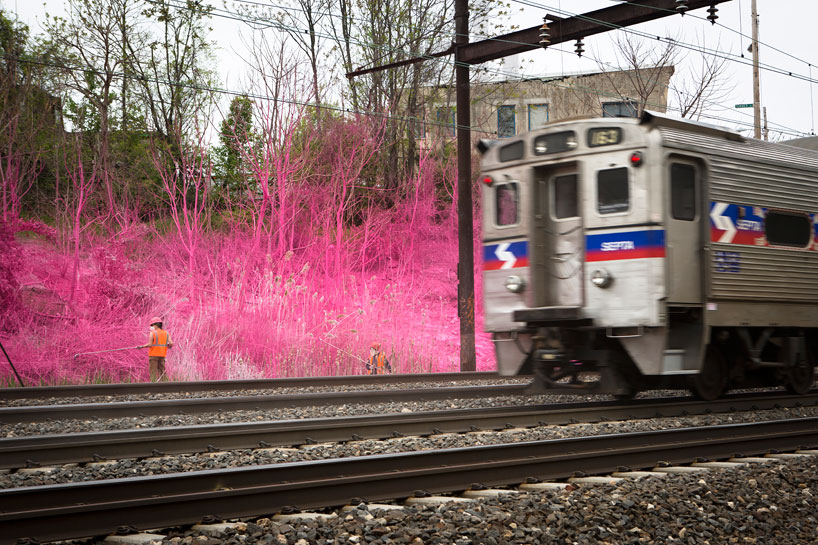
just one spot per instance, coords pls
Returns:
(786, 25)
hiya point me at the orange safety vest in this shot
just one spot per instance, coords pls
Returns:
(378, 364)
(159, 343)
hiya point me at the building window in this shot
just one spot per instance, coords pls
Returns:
(537, 116)
(506, 125)
(619, 109)
(446, 121)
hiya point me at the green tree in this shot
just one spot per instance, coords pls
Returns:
(29, 117)
(235, 134)
(173, 70)
(88, 37)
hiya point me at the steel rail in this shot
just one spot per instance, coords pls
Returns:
(67, 511)
(16, 452)
(41, 413)
(85, 390)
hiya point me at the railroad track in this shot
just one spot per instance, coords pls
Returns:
(32, 451)
(41, 413)
(66, 511)
(89, 390)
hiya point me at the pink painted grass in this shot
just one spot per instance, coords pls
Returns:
(247, 301)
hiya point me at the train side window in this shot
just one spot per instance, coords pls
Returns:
(612, 193)
(565, 197)
(682, 191)
(506, 200)
(787, 229)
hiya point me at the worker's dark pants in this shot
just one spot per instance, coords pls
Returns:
(157, 368)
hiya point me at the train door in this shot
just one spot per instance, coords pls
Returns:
(683, 238)
(560, 237)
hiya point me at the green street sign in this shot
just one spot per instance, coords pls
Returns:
(744, 105)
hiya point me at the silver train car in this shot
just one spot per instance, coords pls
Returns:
(631, 254)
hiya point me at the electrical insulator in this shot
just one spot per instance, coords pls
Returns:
(712, 11)
(545, 37)
(681, 6)
(579, 49)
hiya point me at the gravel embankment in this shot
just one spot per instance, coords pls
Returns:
(248, 457)
(259, 392)
(295, 413)
(757, 504)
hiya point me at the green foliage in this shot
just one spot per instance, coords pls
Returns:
(235, 135)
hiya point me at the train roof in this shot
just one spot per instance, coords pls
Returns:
(655, 119)
(809, 142)
(703, 138)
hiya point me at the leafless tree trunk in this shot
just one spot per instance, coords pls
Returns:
(305, 31)
(641, 66)
(703, 86)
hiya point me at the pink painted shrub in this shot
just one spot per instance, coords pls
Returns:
(299, 286)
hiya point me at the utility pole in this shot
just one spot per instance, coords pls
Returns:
(465, 230)
(756, 84)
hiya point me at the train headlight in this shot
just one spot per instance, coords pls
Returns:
(515, 284)
(601, 278)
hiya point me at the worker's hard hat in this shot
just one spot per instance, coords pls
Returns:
(156, 320)
(376, 346)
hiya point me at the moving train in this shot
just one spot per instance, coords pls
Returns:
(625, 254)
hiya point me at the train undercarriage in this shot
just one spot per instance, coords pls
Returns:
(576, 358)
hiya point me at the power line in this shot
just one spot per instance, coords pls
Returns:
(739, 32)
(287, 28)
(643, 34)
(204, 88)
(268, 24)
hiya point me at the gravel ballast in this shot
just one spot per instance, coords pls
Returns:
(123, 398)
(756, 504)
(248, 457)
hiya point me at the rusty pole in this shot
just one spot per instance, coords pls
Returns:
(465, 230)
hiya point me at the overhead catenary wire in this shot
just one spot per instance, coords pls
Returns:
(268, 24)
(703, 50)
(782, 128)
(647, 35)
(739, 32)
(767, 45)
(210, 89)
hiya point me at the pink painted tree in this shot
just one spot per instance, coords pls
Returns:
(80, 191)
(19, 167)
(186, 180)
(349, 147)
(276, 168)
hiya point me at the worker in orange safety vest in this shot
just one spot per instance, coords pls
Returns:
(378, 364)
(158, 343)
